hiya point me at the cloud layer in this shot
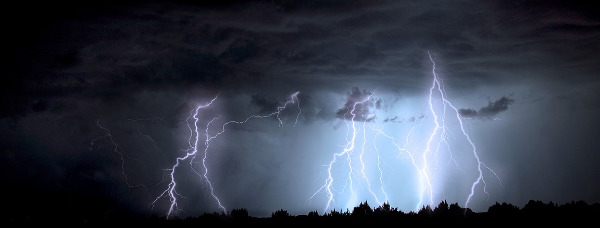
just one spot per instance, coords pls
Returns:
(72, 65)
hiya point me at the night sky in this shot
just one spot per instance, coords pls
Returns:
(98, 103)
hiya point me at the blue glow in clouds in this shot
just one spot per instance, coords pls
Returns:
(426, 158)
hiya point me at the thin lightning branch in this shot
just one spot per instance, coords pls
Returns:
(401, 150)
(154, 144)
(398, 147)
(293, 99)
(115, 149)
(362, 153)
(380, 170)
(349, 181)
(205, 175)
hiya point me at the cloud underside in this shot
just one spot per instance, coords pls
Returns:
(358, 106)
(488, 112)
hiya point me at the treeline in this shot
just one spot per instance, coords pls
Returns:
(501, 213)
(532, 213)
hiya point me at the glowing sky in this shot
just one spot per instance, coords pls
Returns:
(98, 102)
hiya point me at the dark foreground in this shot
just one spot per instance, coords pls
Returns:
(534, 213)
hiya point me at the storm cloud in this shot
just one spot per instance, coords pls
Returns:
(488, 112)
(357, 106)
(140, 68)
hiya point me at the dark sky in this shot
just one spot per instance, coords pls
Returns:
(524, 77)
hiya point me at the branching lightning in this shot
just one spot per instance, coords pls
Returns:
(116, 149)
(424, 161)
(194, 141)
(190, 154)
(480, 179)
(347, 151)
(355, 160)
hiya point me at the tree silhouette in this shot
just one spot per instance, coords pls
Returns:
(280, 214)
(503, 209)
(441, 210)
(334, 213)
(383, 210)
(537, 208)
(425, 211)
(455, 210)
(239, 214)
(362, 210)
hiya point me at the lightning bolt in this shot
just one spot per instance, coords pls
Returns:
(362, 163)
(403, 150)
(480, 165)
(347, 151)
(194, 141)
(425, 161)
(380, 171)
(190, 154)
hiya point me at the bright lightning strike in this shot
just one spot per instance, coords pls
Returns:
(480, 179)
(424, 161)
(171, 189)
(348, 149)
(194, 141)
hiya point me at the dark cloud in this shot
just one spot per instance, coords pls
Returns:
(265, 103)
(70, 64)
(488, 112)
(415, 118)
(395, 119)
(495, 107)
(468, 113)
(357, 106)
(284, 46)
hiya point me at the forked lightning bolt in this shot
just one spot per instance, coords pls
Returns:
(423, 162)
(190, 154)
(347, 152)
(194, 141)
(480, 165)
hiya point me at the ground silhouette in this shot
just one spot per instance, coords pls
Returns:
(535, 212)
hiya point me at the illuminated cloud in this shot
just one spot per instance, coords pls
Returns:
(361, 111)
